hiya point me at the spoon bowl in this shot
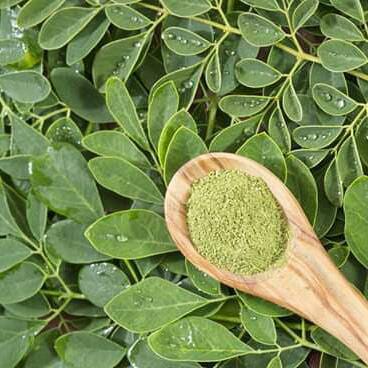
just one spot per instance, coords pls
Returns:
(308, 283)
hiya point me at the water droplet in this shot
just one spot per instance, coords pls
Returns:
(327, 96)
(179, 38)
(149, 299)
(110, 236)
(189, 84)
(134, 19)
(30, 168)
(121, 238)
(331, 53)
(170, 36)
(184, 41)
(137, 44)
(253, 318)
(313, 136)
(340, 103)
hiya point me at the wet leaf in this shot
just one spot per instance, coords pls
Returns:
(133, 308)
(130, 234)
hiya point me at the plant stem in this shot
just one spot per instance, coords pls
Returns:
(298, 54)
(211, 117)
(131, 270)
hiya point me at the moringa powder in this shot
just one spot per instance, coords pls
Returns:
(236, 223)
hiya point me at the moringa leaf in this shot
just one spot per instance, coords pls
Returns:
(196, 339)
(134, 307)
(259, 31)
(64, 167)
(264, 150)
(63, 26)
(82, 347)
(110, 173)
(130, 234)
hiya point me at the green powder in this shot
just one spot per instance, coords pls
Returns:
(236, 223)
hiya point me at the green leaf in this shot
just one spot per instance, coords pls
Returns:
(332, 345)
(341, 56)
(352, 8)
(63, 26)
(65, 239)
(130, 234)
(356, 217)
(27, 140)
(7, 222)
(263, 307)
(196, 339)
(16, 337)
(184, 42)
(263, 4)
(255, 73)
(34, 307)
(337, 26)
(333, 184)
(163, 105)
(361, 138)
(100, 282)
(8, 3)
(12, 252)
(202, 281)
(302, 184)
(348, 162)
(318, 74)
(339, 255)
(25, 86)
(11, 51)
(179, 119)
(36, 216)
(125, 179)
(242, 106)
(184, 146)
(291, 103)
(16, 166)
(303, 12)
(232, 137)
(110, 61)
(82, 348)
(28, 279)
(124, 112)
(126, 18)
(278, 130)
(64, 130)
(115, 144)
(326, 211)
(87, 39)
(64, 167)
(259, 31)
(263, 149)
(186, 81)
(311, 136)
(36, 11)
(213, 73)
(260, 327)
(276, 362)
(311, 157)
(187, 8)
(133, 308)
(332, 101)
(140, 355)
(80, 96)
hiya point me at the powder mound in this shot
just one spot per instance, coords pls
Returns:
(236, 223)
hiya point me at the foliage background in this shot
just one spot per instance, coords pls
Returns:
(101, 102)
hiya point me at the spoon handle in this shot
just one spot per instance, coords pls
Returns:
(312, 286)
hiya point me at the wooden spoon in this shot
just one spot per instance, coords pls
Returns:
(309, 284)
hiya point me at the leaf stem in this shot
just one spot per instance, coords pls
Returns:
(131, 270)
(211, 117)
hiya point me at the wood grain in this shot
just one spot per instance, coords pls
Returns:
(309, 283)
